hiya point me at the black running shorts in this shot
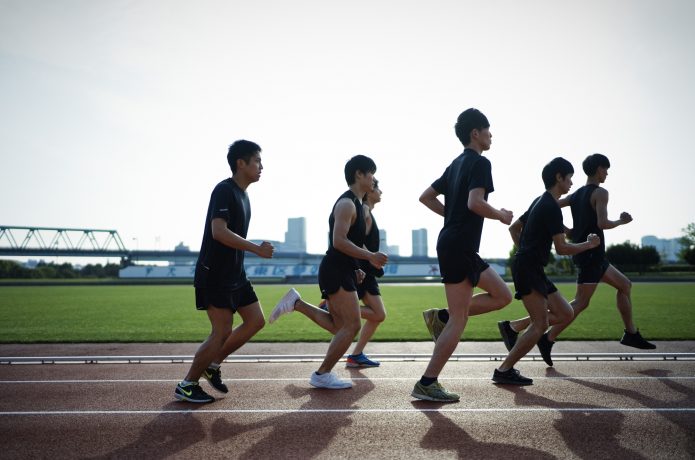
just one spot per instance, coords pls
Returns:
(225, 297)
(592, 272)
(368, 286)
(529, 278)
(333, 275)
(456, 266)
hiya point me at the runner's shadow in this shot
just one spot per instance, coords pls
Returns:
(584, 432)
(165, 435)
(684, 422)
(446, 435)
(295, 433)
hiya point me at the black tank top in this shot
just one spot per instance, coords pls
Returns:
(584, 221)
(372, 243)
(356, 232)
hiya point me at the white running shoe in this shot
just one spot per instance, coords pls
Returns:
(285, 305)
(329, 380)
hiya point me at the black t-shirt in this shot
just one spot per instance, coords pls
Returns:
(462, 227)
(356, 233)
(220, 266)
(372, 243)
(585, 221)
(542, 221)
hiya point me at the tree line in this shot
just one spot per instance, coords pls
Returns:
(45, 270)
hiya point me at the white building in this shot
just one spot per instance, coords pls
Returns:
(668, 249)
(384, 246)
(420, 242)
(295, 236)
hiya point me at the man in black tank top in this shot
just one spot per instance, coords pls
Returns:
(465, 185)
(221, 285)
(339, 273)
(372, 309)
(589, 206)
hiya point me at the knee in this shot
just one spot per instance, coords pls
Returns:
(566, 315)
(379, 316)
(505, 298)
(256, 324)
(220, 334)
(537, 328)
(625, 287)
(353, 327)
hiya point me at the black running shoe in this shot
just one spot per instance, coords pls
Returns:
(511, 377)
(636, 340)
(508, 334)
(214, 376)
(192, 393)
(545, 345)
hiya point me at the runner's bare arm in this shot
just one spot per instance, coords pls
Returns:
(429, 199)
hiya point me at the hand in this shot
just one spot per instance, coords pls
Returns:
(625, 218)
(265, 250)
(378, 259)
(593, 239)
(360, 274)
(506, 216)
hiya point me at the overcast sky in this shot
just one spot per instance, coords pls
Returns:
(118, 114)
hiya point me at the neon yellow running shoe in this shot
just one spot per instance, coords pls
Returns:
(433, 392)
(435, 326)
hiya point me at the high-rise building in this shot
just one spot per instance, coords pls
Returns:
(384, 247)
(295, 236)
(420, 242)
(668, 249)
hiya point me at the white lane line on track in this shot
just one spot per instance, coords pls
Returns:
(302, 379)
(350, 411)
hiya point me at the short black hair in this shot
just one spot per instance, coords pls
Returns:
(360, 163)
(557, 166)
(593, 161)
(468, 121)
(241, 149)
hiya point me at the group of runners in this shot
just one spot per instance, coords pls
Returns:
(348, 272)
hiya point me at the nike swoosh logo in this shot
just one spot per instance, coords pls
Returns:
(187, 393)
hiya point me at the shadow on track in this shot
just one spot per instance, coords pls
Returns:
(585, 433)
(292, 434)
(164, 436)
(683, 421)
(446, 435)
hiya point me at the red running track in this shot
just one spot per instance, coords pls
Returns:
(591, 409)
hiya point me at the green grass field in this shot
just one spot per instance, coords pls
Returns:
(663, 311)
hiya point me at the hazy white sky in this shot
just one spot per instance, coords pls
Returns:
(118, 114)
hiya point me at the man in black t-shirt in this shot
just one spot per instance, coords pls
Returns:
(533, 234)
(589, 207)
(465, 185)
(221, 285)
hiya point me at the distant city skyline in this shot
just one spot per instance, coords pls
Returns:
(295, 239)
(668, 248)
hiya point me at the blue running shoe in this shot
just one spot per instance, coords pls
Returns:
(361, 360)
(324, 305)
